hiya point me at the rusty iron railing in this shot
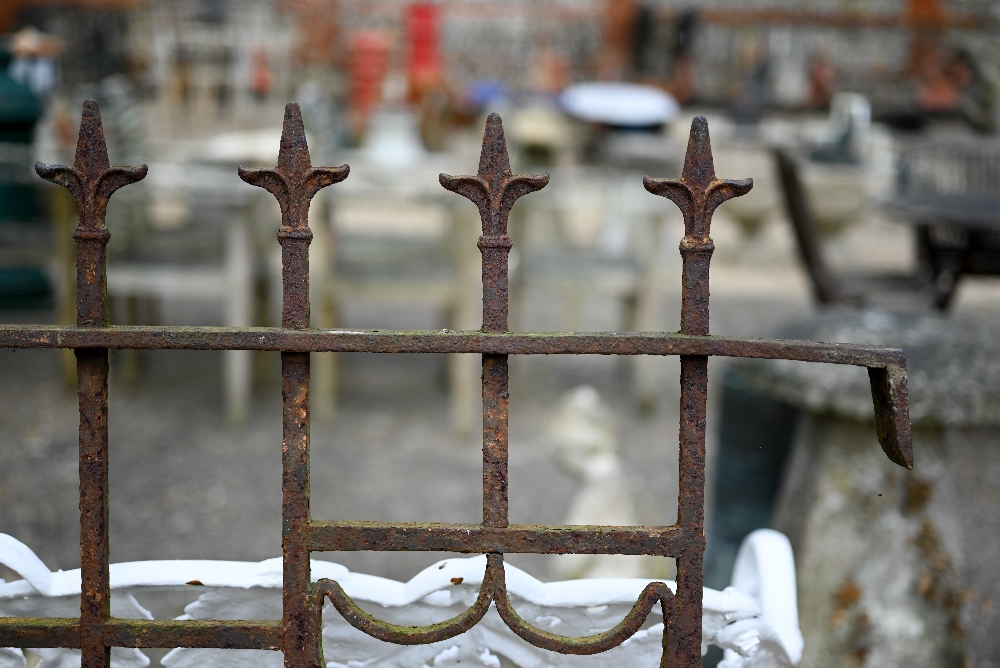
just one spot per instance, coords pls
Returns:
(494, 190)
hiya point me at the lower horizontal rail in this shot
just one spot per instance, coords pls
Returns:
(477, 539)
(230, 634)
(34, 632)
(376, 341)
(39, 632)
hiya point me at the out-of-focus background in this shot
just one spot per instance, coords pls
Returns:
(869, 130)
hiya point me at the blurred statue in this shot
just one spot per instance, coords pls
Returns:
(35, 63)
(822, 80)
(585, 441)
(261, 74)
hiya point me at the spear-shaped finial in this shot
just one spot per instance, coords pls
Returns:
(92, 181)
(697, 194)
(494, 163)
(494, 190)
(294, 182)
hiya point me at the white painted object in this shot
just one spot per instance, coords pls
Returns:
(616, 103)
(759, 631)
(584, 438)
(765, 569)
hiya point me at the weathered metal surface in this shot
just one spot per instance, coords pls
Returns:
(697, 194)
(479, 539)
(293, 183)
(92, 181)
(434, 341)
(36, 632)
(494, 190)
(230, 634)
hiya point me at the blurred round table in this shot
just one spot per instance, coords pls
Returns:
(622, 105)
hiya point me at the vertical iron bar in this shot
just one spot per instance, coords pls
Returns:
(92, 389)
(92, 181)
(696, 253)
(697, 193)
(301, 638)
(496, 376)
(95, 583)
(494, 190)
(293, 183)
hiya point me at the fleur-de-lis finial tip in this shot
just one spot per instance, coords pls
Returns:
(494, 160)
(293, 153)
(91, 149)
(699, 167)
(293, 114)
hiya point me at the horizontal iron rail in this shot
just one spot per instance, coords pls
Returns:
(228, 634)
(39, 632)
(663, 541)
(437, 341)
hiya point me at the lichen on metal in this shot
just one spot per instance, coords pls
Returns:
(494, 190)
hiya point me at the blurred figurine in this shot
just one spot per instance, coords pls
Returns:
(423, 61)
(367, 65)
(552, 73)
(643, 28)
(681, 85)
(261, 75)
(939, 83)
(585, 441)
(616, 40)
(751, 95)
(978, 98)
(34, 61)
(822, 80)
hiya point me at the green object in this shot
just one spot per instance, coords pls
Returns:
(20, 109)
(24, 289)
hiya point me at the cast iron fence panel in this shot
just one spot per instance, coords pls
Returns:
(494, 190)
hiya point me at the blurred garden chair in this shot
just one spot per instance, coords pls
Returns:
(948, 189)
(197, 244)
(914, 289)
(401, 241)
(593, 231)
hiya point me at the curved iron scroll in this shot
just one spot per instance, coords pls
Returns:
(494, 589)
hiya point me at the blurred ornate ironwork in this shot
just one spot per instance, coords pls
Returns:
(494, 190)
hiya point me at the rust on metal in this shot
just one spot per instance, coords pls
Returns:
(697, 194)
(92, 180)
(294, 182)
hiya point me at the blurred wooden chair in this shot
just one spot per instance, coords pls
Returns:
(197, 245)
(406, 242)
(593, 231)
